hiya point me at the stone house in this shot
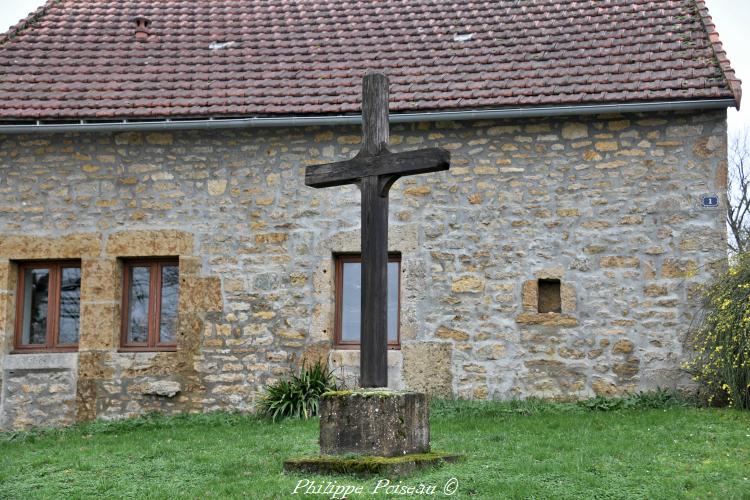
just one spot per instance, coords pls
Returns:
(159, 250)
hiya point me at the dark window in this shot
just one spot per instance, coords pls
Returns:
(48, 309)
(349, 298)
(149, 304)
(549, 296)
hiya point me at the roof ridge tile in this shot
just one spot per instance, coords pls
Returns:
(734, 83)
(29, 20)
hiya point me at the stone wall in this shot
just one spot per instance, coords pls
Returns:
(39, 390)
(609, 205)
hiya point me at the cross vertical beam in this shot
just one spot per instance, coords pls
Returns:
(373, 364)
(374, 114)
(374, 170)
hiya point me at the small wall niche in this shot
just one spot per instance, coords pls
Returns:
(548, 296)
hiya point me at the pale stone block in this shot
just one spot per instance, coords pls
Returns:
(345, 364)
(200, 294)
(530, 295)
(448, 333)
(468, 284)
(620, 261)
(574, 130)
(101, 280)
(72, 246)
(190, 265)
(41, 361)
(160, 138)
(8, 275)
(164, 388)
(217, 187)
(151, 243)
(678, 268)
(567, 298)
(546, 319)
(549, 273)
(428, 367)
(99, 326)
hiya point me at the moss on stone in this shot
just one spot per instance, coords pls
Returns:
(368, 465)
(366, 393)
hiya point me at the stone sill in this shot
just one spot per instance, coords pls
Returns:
(41, 361)
(146, 349)
(546, 319)
(356, 347)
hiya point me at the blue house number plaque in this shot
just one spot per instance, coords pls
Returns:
(710, 201)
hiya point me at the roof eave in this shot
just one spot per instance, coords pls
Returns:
(330, 120)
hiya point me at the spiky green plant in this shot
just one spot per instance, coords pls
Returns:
(298, 395)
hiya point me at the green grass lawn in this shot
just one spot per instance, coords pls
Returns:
(513, 450)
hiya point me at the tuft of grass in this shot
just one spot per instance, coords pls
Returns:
(147, 421)
(658, 399)
(456, 408)
(651, 400)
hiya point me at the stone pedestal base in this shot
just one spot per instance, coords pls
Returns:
(374, 422)
(369, 466)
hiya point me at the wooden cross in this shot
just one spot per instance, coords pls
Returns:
(374, 169)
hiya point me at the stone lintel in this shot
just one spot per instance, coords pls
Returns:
(149, 243)
(71, 246)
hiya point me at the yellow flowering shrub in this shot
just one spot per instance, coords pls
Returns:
(721, 339)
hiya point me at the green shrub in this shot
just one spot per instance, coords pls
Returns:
(297, 396)
(456, 408)
(651, 400)
(721, 339)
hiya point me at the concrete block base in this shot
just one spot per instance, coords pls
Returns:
(374, 422)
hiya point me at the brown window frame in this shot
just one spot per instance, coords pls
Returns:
(154, 304)
(340, 260)
(54, 293)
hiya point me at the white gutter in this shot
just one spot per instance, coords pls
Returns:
(303, 121)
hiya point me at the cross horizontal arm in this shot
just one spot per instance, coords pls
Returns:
(350, 171)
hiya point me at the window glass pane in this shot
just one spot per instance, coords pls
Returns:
(138, 297)
(393, 302)
(36, 293)
(70, 305)
(169, 289)
(351, 300)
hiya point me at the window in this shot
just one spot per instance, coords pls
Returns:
(549, 296)
(48, 309)
(149, 304)
(349, 298)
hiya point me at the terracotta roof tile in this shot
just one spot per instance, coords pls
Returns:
(77, 59)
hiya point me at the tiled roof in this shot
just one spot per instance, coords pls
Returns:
(81, 59)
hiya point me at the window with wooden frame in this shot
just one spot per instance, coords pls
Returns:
(48, 306)
(149, 304)
(349, 298)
